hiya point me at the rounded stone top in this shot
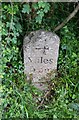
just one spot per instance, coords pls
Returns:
(35, 35)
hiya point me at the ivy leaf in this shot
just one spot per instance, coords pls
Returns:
(46, 9)
(14, 40)
(38, 19)
(35, 6)
(26, 9)
(74, 106)
(18, 27)
(41, 13)
(41, 4)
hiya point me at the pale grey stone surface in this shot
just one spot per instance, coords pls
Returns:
(40, 57)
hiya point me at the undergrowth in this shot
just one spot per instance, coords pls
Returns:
(17, 96)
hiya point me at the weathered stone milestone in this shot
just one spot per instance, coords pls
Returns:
(40, 57)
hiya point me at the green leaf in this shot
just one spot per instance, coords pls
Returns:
(35, 6)
(74, 106)
(26, 9)
(46, 9)
(41, 4)
(14, 40)
(41, 13)
(38, 19)
(18, 27)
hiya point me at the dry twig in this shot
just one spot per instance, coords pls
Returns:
(67, 19)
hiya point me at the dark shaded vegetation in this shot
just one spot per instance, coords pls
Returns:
(17, 96)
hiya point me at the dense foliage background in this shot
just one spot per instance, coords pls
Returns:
(17, 20)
